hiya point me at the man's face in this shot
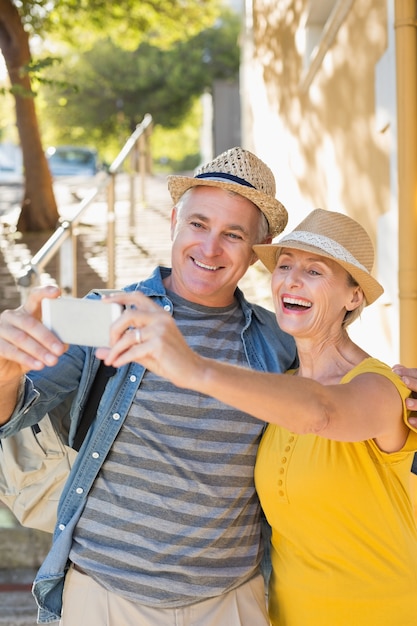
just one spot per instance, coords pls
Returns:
(212, 234)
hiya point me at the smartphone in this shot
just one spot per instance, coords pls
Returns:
(80, 321)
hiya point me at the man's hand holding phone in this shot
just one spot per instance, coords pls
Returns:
(25, 344)
(81, 321)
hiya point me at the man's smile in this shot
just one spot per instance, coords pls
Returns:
(206, 267)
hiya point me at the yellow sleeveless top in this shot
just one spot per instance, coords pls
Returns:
(344, 532)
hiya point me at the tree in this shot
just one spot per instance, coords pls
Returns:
(126, 20)
(39, 210)
(117, 87)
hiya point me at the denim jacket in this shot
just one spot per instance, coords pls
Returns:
(62, 391)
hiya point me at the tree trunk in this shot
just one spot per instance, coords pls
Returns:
(39, 210)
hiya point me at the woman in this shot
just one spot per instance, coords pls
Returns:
(333, 468)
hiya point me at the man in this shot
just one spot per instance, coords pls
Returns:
(159, 522)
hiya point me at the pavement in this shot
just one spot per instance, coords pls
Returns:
(17, 605)
(138, 250)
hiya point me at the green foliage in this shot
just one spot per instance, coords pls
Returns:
(34, 14)
(178, 149)
(37, 72)
(8, 131)
(116, 87)
(105, 65)
(129, 21)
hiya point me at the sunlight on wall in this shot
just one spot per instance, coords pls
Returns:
(281, 153)
(322, 138)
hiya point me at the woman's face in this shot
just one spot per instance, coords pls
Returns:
(311, 294)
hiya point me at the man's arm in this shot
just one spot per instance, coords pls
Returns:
(25, 344)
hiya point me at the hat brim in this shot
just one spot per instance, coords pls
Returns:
(268, 254)
(275, 212)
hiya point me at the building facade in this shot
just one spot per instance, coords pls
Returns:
(319, 85)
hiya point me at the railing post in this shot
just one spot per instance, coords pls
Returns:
(64, 240)
(134, 157)
(142, 167)
(68, 267)
(149, 165)
(111, 234)
(26, 281)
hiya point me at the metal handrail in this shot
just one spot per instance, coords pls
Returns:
(64, 239)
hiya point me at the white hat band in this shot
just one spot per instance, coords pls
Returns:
(329, 246)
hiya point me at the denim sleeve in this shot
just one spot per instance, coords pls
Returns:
(27, 395)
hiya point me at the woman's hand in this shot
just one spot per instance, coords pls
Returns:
(147, 334)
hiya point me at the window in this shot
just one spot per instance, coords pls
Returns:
(323, 20)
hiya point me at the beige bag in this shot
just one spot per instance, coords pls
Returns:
(35, 463)
(34, 466)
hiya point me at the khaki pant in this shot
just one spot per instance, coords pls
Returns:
(85, 603)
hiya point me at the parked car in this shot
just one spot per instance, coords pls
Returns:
(11, 168)
(72, 161)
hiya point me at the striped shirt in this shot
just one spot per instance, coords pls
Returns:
(173, 517)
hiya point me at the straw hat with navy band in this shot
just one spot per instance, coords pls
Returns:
(334, 236)
(241, 172)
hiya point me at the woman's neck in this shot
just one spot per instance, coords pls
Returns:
(328, 361)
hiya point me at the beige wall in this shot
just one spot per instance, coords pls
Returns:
(326, 140)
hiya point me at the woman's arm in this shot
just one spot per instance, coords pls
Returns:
(367, 407)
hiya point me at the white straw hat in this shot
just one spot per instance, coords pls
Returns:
(334, 236)
(242, 172)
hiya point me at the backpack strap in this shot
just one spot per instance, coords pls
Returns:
(104, 372)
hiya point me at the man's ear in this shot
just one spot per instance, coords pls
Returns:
(254, 255)
(253, 258)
